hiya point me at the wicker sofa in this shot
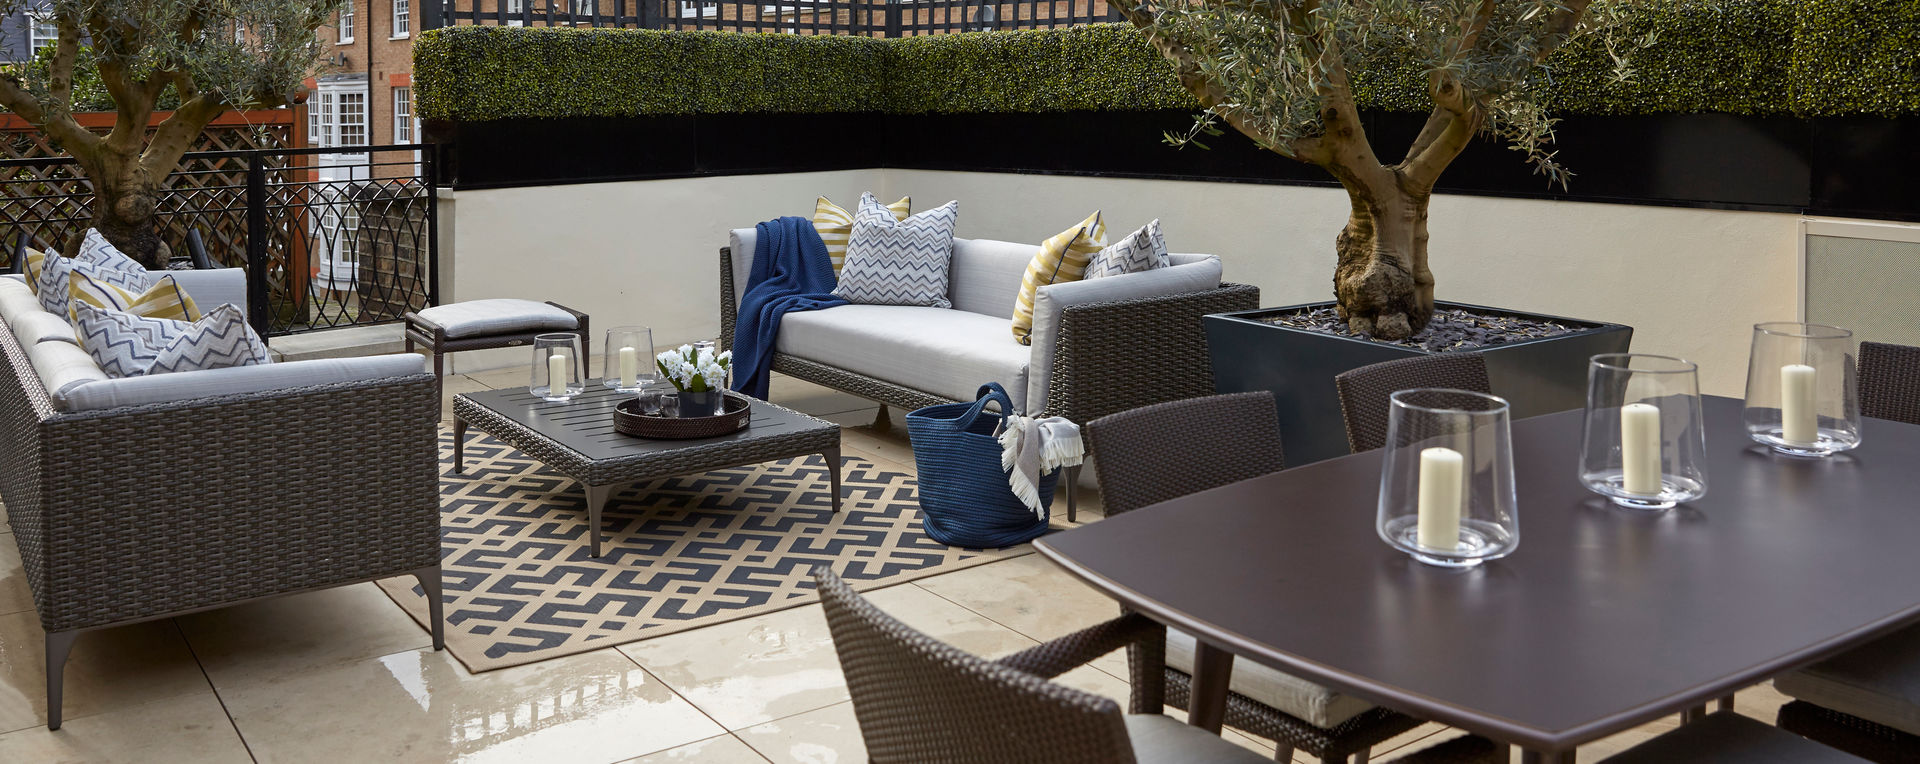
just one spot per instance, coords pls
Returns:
(151, 497)
(1100, 346)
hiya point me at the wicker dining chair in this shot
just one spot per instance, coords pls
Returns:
(1890, 382)
(921, 700)
(1866, 701)
(1365, 392)
(1167, 450)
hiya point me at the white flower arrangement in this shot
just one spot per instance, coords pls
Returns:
(695, 370)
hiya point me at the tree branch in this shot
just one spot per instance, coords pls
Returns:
(66, 51)
(57, 122)
(1186, 67)
(1424, 168)
(176, 134)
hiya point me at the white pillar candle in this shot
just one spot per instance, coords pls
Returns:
(557, 376)
(1441, 478)
(1798, 421)
(1640, 448)
(629, 368)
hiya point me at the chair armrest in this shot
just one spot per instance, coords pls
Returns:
(729, 307)
(1114, 356)
(1051, 659)
(423, 328)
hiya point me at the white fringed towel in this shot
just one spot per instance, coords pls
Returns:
(1031, 448)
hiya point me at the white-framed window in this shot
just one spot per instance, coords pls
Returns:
(514, 10)
(239, 33)
(346, 22)
(351, 113)
(703, 9)
(402, 18)
(403, 115)
(583, 9)
(42, 31)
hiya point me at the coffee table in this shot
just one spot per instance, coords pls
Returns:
(577, 439)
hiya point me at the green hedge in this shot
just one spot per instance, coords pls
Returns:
(1807, 57)
(1869, 58)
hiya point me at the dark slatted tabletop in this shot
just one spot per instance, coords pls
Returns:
(585, 424)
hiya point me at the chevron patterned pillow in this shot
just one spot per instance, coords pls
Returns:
(898, 262)
(835, 224)
(54, 282)
(1142, 250)
(126, 345)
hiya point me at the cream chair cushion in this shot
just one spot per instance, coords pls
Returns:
(945, 352)
(1305, 700)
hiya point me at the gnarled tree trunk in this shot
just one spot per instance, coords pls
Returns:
(126, 196)
(1382, 283)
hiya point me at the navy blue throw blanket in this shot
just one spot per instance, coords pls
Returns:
(791, 271)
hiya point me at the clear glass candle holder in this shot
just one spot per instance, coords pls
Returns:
(628, 363)
(556, 367)
(1802, 396)
(1446, 480)
(1645, 441)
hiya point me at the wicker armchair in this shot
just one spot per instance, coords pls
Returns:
(920, 700)
(1364, 392)
(1843, 701)
(143, 512)
(1146, 457)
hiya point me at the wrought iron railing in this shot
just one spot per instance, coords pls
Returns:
(873, 18)
(330, 237)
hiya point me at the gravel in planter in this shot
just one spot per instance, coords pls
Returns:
(1450, 329)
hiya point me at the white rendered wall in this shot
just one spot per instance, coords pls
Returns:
(634, 252)
(1691, 282)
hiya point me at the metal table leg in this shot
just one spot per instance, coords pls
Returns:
(1212, 670)
(459, 445)
(597, 496)
(832, 457)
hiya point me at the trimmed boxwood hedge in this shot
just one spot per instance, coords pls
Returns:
(1805, 57)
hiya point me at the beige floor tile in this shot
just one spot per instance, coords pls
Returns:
(303, 632)
(1032, 596)
(15, 595)
(752, 670)
(759, 669)
(510, 376)
(828, 735)
(421, 705)
(109, 669)
(190, 730)
(725, 749)
(455, 384)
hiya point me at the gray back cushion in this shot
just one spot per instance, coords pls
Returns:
(741, 242)
(212, 288)
(985, 276)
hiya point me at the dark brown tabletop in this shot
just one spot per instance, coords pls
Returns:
(1603, 619)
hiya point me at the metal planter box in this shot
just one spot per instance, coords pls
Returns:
(1539, 376)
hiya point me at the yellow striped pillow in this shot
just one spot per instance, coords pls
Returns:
(164, 299)
(1061, 258)
(36, 261)
(836, 224)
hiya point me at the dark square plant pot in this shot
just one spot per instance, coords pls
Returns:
(1539, 376)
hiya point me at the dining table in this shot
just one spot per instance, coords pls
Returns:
(1602, 619)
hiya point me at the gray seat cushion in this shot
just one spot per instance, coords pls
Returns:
(1878, 681)
(41, 326)
(946, 352)
(17, 299)
(1157, 738)
(189, 385)
(485, 318)
(1728, 736)
(1311, 703)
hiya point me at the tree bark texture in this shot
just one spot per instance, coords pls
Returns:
(1382, 282)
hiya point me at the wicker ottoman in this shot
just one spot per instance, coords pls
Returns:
(488, 324)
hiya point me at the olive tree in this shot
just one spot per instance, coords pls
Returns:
(1283, 73)
(207, 55)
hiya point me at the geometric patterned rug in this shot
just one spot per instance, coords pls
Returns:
(678, 553)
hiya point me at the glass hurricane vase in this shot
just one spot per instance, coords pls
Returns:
(1644, 444)
(627, 364)
(1802, 396)
(556, 367)
(1446, 479)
